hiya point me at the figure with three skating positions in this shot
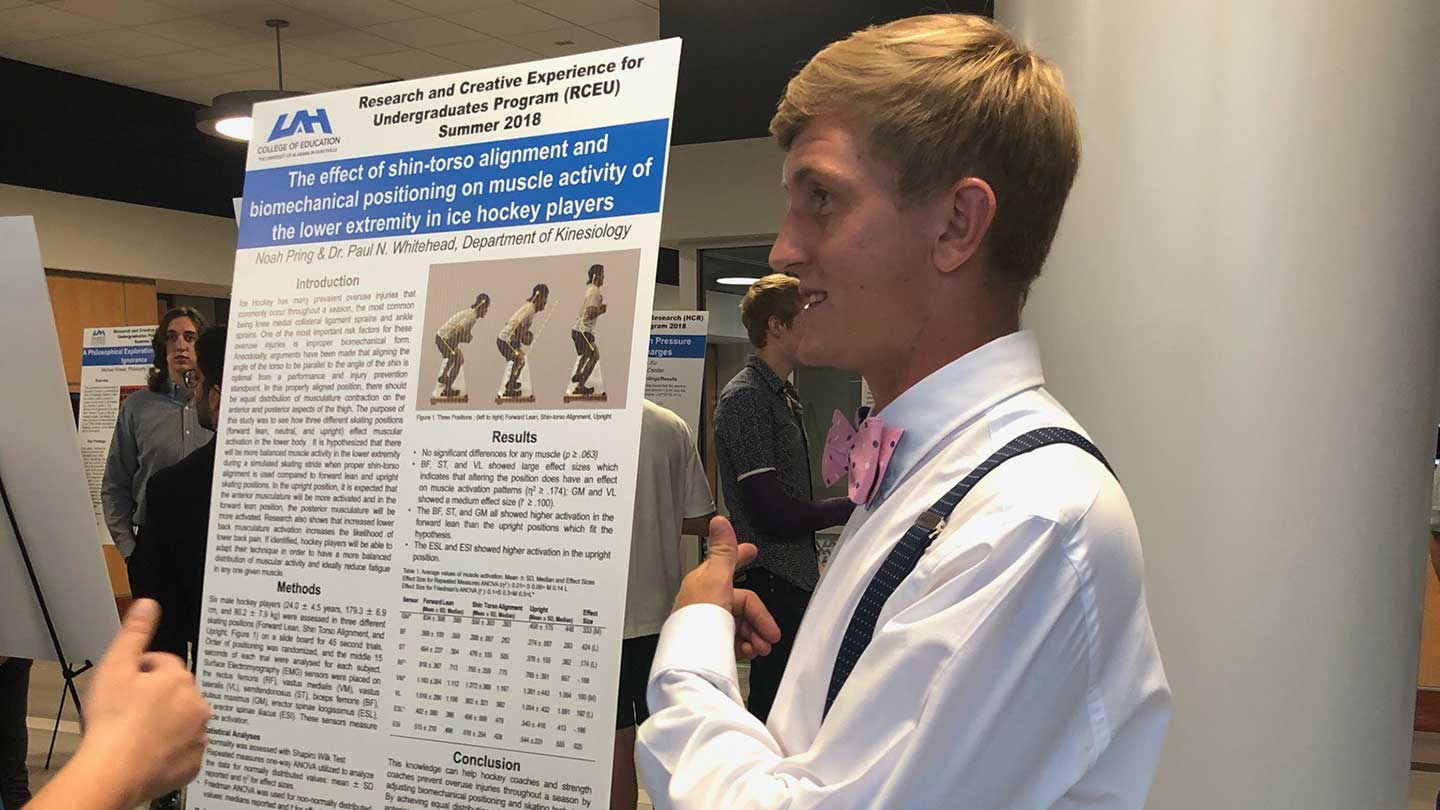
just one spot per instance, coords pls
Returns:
(586, 384)
(518, 334)
(450, 385)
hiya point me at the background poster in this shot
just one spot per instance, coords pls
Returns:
(676, 367)
(420, 524)
(113, 365)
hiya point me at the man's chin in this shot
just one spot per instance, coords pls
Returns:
(817, 351)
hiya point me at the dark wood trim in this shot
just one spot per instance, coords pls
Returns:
(1427, 710)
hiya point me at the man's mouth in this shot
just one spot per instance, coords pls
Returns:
(813, 297)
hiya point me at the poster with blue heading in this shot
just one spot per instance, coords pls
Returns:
(420, 522)
(676, 368)
(114, 363)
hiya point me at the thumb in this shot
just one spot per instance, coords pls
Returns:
(725, 553)
(135, 631)
(723, 550)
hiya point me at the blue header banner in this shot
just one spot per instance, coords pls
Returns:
(690, 346)
(117, 356)
(564, 177)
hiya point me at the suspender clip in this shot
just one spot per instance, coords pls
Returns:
(932, 520)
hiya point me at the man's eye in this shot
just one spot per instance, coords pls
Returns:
(820, 196)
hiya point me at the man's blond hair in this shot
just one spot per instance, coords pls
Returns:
(946, 96)
(774, 296)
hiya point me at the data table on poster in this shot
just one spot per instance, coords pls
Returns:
(504, 677)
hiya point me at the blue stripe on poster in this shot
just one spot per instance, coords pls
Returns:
(559, 178)
(117, 356)
(677, 346)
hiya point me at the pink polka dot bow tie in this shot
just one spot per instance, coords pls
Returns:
(862, 452)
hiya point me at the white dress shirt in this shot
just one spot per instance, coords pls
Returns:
(1014, 668)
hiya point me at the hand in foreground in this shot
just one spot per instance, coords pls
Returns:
(713, 583)
(144, 725)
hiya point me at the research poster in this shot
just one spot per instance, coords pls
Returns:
(114, 362)
(676, 368)
(426, 465)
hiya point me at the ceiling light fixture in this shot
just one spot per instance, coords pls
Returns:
(736, 281)
(228, 116)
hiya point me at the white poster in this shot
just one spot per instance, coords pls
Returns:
(427, 455)
(113, 365)
(676, 369)
(43, 478)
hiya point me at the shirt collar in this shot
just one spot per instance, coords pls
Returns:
(766, 373)
(955, 395)
(176, 392)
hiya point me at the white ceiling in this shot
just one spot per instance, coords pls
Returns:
(197, 49)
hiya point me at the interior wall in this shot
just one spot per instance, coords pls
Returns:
(88, 235)
(667, 297)
(80, 302)
(1241, 306)
(724, 190)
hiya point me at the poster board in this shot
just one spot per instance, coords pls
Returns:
(44, 479)
(114, 363)
(676, 368)
(430, 424)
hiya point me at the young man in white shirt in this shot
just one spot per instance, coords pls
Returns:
(1013, 664)
(592, 306)
(458, 329)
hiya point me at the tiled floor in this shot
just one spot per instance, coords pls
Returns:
(1424, 782)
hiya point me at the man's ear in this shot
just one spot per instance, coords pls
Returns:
(966, 211)
(773, 326)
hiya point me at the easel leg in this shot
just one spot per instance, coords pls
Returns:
(56, 732)
(65, 668)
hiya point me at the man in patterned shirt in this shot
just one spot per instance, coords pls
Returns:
(764, 462)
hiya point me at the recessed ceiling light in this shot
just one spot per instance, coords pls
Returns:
(736, 281)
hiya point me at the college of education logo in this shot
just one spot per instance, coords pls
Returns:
(307, 121)
(300, 132)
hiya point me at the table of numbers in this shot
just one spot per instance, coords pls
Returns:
(523, 680)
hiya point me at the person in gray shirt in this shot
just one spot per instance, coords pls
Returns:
(155, 429)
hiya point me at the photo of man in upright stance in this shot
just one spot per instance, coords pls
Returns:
(587, 352)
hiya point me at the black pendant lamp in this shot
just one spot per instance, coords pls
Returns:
(228, 116)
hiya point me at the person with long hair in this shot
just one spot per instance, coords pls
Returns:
(156, 428)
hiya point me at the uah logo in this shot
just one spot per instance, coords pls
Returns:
(97, 337)
(300, 121)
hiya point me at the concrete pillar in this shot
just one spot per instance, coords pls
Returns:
(1242, 307)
